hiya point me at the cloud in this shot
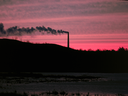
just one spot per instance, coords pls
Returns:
(16, 31)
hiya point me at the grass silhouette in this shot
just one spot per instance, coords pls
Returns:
(63, 93)
(13, 94)
(25, 56)
(53, 94)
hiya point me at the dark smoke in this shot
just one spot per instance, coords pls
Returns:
(16, 31)
(2, 31)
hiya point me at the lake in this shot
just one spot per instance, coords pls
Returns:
(109, 84)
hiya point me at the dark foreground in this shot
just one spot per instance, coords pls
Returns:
(25, 56)
(55, 93)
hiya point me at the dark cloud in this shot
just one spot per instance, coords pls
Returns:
(12, 31)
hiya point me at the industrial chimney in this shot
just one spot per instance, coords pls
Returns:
(68, 40)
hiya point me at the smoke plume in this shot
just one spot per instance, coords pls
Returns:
(16, 31)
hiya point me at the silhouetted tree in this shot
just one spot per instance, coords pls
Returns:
(121, 49)
(98, 50)
(113, 50)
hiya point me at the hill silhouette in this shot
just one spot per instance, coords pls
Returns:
(24, 56)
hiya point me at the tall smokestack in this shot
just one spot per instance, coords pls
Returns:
(14, 31)
(68, 40)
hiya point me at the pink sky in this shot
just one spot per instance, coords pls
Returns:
(94, 24)
(84, 42)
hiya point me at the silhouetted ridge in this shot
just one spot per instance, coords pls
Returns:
(10, 44)
(25, 56)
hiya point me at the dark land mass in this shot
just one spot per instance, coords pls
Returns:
(24, 56)
(31, 77)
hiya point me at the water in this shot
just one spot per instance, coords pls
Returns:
(110, 83)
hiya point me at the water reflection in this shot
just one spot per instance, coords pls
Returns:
(66, 84)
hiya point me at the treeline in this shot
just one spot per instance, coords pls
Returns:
(120, 49)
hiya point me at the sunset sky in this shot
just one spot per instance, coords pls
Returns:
(92, 24)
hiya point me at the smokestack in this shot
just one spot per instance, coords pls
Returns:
(68, 40)
(14, 31)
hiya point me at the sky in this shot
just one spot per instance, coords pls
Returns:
(92, 24)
